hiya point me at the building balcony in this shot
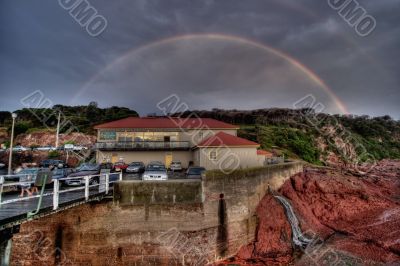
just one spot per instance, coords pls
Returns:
(143, 145)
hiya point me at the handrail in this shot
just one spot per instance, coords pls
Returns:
(56, 189)
(3, 178)
(63, 178)
(33, 213)
(12, 184)
(17, 175)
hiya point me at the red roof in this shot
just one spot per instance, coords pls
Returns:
(167, 122)
(225, 139)
(265, 153)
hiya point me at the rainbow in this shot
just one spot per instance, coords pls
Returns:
(308, 72)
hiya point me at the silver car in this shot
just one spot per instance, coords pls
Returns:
(155, 172)
(135, 167)
(85, 169)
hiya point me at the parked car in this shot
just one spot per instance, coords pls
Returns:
(175, 166)
(85, 169)
(20, 148)
(109, 166)
(120, 166)
(59, 173)
(155, 172)
(45, 148)
(68, 147)
(155, 162)
(195, 172)
(79, 148)
(50, 162)
(25, 174)
(135, 167)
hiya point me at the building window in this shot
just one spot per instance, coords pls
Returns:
(138, 136)
(148, 136)
(108, 135)
(213, 155)
(121, 136)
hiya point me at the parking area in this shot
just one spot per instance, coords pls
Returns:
(11, 193)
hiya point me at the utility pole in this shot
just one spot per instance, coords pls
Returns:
(14, 116)
(58, 128)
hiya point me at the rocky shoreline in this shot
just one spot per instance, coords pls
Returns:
(352, 219)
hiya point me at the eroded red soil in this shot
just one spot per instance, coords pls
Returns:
(354, 215)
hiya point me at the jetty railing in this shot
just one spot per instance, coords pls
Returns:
(88, 183)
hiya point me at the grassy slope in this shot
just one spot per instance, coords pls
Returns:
(293, 142)
(300, 142)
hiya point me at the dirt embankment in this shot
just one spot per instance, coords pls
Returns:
(49, 138)
(37, 139)
(356, 218)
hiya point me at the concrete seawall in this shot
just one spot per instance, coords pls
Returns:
(160, 223)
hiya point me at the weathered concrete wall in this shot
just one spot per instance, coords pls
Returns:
(242, 190)
(136, 192)
(147, 225)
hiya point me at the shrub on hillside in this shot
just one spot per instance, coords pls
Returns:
(53, 154)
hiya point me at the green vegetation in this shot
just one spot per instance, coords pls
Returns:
(34, 146)
(285, 131)
(76, 118)
(294, 142)
(53, 154)
(295, 133)
(35, 130)
(21, 127)
(6, 144)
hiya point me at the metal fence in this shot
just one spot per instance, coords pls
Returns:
(104, 180)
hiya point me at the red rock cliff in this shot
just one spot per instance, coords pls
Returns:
(356, 219)
(359, 215)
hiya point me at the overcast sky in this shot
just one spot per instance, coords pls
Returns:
(42, 47)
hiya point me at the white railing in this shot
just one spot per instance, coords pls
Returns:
(13, 184)
(103, 183)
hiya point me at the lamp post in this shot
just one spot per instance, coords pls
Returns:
(13, 115)
(58, 128)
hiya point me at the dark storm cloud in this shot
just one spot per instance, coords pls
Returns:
(42, 47)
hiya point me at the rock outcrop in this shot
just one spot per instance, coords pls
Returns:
(352, 219)
(358, 215)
